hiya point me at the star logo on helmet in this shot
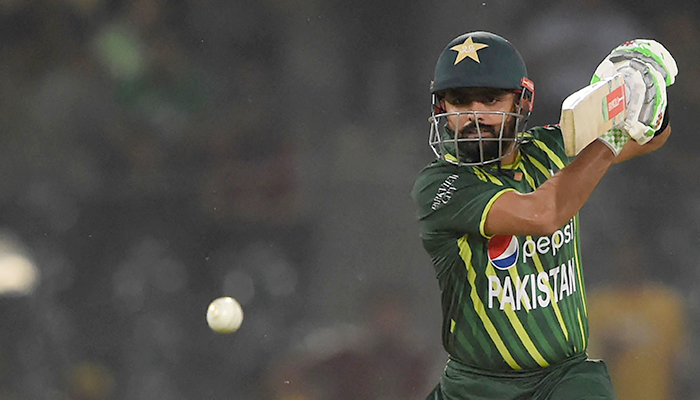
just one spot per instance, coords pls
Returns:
(468, 49)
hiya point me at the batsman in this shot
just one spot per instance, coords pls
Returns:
(498, 214)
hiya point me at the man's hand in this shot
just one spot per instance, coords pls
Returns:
(646, 100)
(648, 68)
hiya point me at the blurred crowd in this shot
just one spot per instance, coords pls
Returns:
(158, 154)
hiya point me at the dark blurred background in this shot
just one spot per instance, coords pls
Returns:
(157, 154)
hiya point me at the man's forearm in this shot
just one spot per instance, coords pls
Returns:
(569, 189)
(556, 201)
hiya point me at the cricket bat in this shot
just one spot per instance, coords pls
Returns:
(591, 111)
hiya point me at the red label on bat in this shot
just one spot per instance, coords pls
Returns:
(616, 102)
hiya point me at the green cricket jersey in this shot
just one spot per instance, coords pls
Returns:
(509, 302)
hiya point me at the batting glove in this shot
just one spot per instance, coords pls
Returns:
(647, 68)
(649, 51)
(646, 101)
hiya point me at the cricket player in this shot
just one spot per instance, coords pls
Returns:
(498, 215)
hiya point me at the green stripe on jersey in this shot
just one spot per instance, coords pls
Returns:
(525, 339)
(550, 153)
(466, 254)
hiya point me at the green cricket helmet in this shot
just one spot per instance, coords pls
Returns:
(479, 60)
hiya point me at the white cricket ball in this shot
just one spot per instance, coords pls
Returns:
(224, 315)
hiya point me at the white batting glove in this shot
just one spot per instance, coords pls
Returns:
(649, 51)
(647, 68)
(646, 100)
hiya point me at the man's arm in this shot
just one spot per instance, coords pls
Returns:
(557, 200)
(562, 196)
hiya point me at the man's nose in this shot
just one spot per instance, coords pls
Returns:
(468, 117)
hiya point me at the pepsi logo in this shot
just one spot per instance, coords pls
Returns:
(503, 251)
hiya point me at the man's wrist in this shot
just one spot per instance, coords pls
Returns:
(615, 139)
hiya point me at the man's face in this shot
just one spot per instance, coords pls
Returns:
(489, 123)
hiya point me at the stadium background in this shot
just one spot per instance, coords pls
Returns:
(157, 154)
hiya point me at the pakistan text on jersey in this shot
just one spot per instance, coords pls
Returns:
(547, 244)
(533, 290)
(444, 193)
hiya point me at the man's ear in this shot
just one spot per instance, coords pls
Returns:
(439, 108)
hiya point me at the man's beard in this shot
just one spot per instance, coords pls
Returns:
(469, 151)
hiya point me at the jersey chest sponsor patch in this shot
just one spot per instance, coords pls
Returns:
(503, 251)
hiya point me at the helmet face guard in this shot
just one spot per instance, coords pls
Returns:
(487, 143)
